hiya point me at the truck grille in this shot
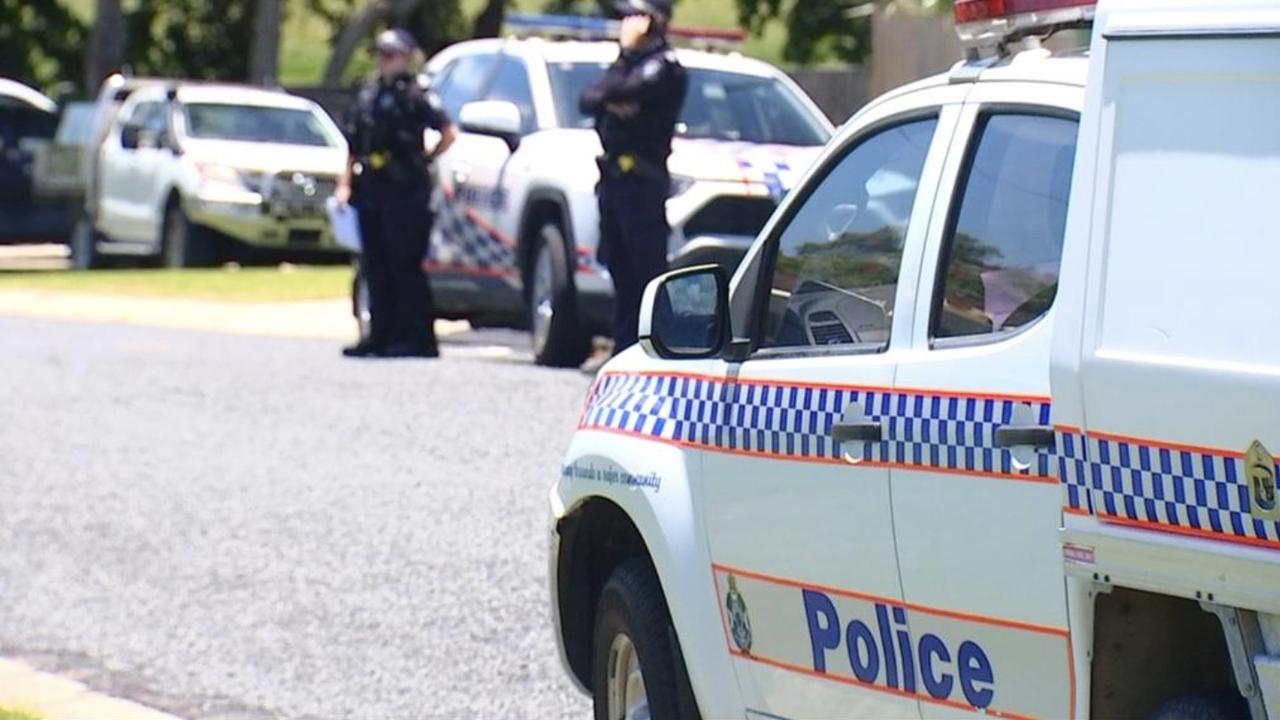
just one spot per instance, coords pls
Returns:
(731, 215)
(297, 194)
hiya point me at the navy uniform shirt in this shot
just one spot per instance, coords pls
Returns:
(652, 83)
(388, 120)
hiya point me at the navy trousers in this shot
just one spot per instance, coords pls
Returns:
(633, 244)
(395, 228)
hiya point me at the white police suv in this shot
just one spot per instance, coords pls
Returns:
(848, 484)
(516, 230)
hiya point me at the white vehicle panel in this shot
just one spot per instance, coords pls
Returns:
(1200, 385)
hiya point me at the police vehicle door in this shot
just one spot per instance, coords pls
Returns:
(796, 492)
(475, 235)
(976, 503)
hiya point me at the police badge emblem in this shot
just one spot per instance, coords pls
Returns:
(1260, 469)
(739, 621)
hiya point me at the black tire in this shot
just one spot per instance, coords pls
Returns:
(1225, 704)
(83, 245)
(632, 605)
(558, 338)
(185, 244)
(360, 305)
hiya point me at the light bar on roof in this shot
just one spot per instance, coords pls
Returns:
(982, 23)
(583, 27)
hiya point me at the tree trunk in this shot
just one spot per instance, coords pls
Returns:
(264, 56)
(489, 21)
(358, 28)
(106, 44)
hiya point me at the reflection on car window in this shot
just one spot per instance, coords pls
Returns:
(512, 85)
(718, 105)
(248, 123)
(836, 269)
(1001, 258)
(464, 81)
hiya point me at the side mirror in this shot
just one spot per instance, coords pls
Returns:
(129, 137)
(685, 314)
(497, 118)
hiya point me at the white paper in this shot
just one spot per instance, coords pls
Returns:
(345, 223)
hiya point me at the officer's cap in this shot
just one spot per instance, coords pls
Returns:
(657, 9)
(395, 40)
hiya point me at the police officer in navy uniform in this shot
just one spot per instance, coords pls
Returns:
(388, 180)
(636, 105)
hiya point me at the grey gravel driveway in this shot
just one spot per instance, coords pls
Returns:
(246, 527)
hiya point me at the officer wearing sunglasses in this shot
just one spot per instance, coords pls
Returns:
(388, 180)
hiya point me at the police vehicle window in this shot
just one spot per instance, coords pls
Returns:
(511, 83)
(746, 108)
(1000, 261)
(718, 105)
(835, 273)
(465, 81)
(244, 123)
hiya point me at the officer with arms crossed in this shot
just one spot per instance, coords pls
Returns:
(635, 105)
(388, 178)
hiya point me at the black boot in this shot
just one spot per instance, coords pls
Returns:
(362, 349)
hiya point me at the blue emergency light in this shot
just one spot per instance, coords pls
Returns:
(583, 27)
(594, 27)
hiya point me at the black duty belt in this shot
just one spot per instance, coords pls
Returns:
(615, 166)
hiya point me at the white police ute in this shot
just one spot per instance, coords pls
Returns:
(514, 242)
(984, 423)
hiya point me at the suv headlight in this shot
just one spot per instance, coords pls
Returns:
(225, 175)
(680, 184)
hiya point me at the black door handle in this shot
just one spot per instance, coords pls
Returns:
(857, 432)
(1040, 436)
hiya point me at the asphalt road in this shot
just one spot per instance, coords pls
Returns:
(246, 527)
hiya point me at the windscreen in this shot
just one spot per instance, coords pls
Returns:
(246, 123)
(719, 106)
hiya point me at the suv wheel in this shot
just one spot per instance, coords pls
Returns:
(637, 670)
(84, 245)
(360, 304)
(184, 243)
(558, 339)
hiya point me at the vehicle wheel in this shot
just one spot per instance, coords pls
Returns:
(83, 244)
(1225, 704)
(360, 305)
(558, 339)
(638, 672)
(186, 244)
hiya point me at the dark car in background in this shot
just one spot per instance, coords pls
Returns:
(28, 123)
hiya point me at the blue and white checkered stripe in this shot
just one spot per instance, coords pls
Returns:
(795, 421)
(958, 433)
(1073, 470)
(1199, 491)
(462, 242)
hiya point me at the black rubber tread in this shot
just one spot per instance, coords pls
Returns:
(632, 602)
(567, 344)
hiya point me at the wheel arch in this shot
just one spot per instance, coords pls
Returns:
(599, 523)
(540, 204)
(595, 538)
(1138, 663)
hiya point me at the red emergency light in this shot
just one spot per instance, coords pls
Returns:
(980, 22)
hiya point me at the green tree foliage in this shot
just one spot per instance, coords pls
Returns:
(827, 30)
(204, 39)
(40, 41)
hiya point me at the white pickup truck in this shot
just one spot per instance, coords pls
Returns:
(984, 423)
(181, 170)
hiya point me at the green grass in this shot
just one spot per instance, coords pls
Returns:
(244, 285)
(8, 713)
